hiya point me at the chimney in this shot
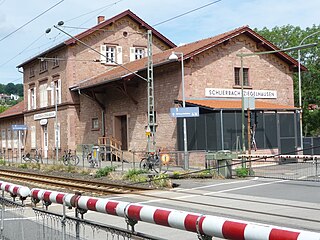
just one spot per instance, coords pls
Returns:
(100, 19)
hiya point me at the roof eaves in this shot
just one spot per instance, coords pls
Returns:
(115, 18)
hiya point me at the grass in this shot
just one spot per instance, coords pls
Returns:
(242, 172)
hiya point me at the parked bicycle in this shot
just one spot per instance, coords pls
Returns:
(69, 159)
(37, 158)
(153, 162)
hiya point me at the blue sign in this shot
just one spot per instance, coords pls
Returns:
(184, 112)
(19, 127)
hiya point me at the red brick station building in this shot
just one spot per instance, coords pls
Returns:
(91, 96)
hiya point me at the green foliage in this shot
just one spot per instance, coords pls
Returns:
(2, 162)
(102, 172)
(132, 173)
(242, 172)
(290, 36)
(23, 165)
(11, 88)
(3, 108)
(161, 180)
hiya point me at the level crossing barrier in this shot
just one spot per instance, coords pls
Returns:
(206, 226)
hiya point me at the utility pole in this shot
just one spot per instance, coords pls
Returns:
(151, 116)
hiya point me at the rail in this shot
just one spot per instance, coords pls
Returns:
(206, 226)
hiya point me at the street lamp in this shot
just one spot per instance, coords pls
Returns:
(53, 88)
(300, 92)
(241, 55)
(174, 56)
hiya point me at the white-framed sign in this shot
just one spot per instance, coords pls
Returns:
(236, 93)
(44, 115)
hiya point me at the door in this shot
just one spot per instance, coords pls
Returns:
(45, 141)
(120, 131)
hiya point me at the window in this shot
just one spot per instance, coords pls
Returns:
(43, 92)
(43, 66)
(95, 124)
(137, 53)
(237, 79)
(9, 138)
(3, 138)
(55, 62)
(33, 137)
(111, 54)
(15, 139)
(32, 98)
(31, 71)
(56, 92)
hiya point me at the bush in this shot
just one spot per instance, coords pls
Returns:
(23, 166)
(242, 172)
(162, 180)
(133, 173)
(2, 162)
(102, 172)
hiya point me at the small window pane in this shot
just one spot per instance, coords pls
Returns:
(95, 123)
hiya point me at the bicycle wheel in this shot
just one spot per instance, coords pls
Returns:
(144, 164)
(74, 160)
(159, 167)
(65, 160)
(26, 157)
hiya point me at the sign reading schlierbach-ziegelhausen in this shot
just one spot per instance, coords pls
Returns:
(236, 93)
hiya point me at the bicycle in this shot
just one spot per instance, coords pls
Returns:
(153, 162)
(69, 159)
(37, 157)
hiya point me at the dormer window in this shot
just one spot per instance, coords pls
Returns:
(31, 71)
(55, 62)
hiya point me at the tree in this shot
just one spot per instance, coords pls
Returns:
(290, 36)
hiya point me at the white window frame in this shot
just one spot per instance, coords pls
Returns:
(43, 66)
(32, 98)
(137, 53)
(33, 137)
(43, 92)
(111, 54)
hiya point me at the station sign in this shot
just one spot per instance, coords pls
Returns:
(19, 127)
(184, 112)
(44, 115)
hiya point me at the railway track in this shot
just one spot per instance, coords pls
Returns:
(61, 183)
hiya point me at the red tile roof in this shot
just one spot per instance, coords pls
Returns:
(188, 50)
(15, 110)
(236, 104)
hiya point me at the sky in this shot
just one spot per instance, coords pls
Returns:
(23, 23)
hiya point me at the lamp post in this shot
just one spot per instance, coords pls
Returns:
(174, 56)
(300, 92)
(241, 55)
(56, 120)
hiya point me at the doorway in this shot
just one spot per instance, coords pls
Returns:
(120, 130)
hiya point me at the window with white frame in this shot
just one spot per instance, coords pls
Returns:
(32, 98)
(111, 54)
(137, 53)
(3, 138)
(9, 138)
(43, 94)
(33, 137)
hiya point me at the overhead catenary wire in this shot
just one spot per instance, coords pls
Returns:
(8, 35)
